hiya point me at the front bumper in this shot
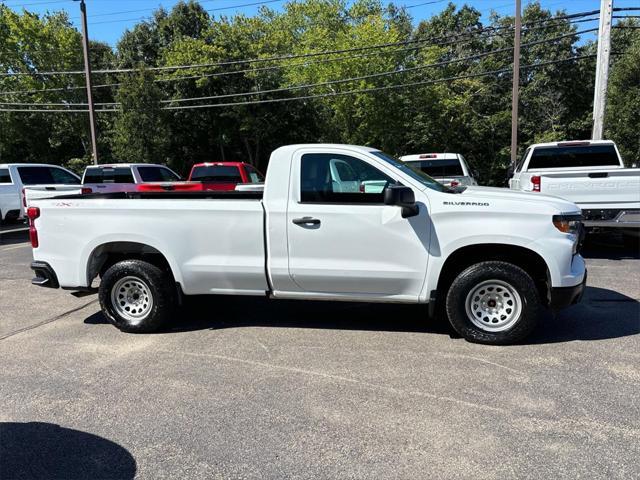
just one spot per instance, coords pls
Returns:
(563, 297)
(45, 276)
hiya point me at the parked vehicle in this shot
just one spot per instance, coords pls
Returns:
(588, 173)
(488, 258)
(224, 176)
(15, 177)
(450, 169)
(125, 177)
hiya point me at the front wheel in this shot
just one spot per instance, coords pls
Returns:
(493, 302)
(136, 296)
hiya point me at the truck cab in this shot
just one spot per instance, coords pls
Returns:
(126, 177)
(450, 169)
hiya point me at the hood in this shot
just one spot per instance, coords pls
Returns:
(506, 194)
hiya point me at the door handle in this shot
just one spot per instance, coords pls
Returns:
(306, 221)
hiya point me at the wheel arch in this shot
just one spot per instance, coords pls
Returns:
(525, 258)
(107, 254)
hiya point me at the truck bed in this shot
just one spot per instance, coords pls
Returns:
(200, 195)
(214, 240)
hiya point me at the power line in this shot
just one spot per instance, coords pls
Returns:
(273, 58)
(35, 3)
(332, 94)
(375, 75)
(230, 7)
(375, 89)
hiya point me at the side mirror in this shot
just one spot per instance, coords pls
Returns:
(403, 197)
(510, 171)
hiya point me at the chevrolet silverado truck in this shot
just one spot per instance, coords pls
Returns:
(589, 173)
(487, 258)
(41, 179)
(451, 169)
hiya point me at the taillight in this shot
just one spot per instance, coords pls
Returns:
(535, 182)
(32, 214)
(24, 198)
(362, 188)
(454, 183)
(85, 190)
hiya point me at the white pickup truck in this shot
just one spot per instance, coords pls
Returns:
(589, 173)
(41, 179)
(488, 258)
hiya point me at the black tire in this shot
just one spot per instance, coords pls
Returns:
(158, 286)
(502, 272)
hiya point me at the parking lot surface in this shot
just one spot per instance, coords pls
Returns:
(247, 388)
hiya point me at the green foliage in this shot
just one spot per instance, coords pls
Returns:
(140, 132)
(470, 115)
(77, 165)
(623, 110)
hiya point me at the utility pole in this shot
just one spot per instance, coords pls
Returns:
(87, 74)
(602, 68)
(516, 84)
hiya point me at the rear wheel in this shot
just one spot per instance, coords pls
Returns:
(493, 302)
(136, 296)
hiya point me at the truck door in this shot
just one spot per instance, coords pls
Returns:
(350, 243)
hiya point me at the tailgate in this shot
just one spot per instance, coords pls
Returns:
(621, 186)
(39, 192)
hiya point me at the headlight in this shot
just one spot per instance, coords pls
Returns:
(568, 223)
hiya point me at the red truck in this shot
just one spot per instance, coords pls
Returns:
(224, 175)
(219, 176)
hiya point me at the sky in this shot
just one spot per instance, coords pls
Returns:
(108, 19)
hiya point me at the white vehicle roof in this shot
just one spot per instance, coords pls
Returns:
(7, 165)
(290, 148)
(125, 165)
(429, 156)
(569, 143)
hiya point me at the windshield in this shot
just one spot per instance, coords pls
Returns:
(413, 172)
(574, 157)
(217, 173)
(438, 168)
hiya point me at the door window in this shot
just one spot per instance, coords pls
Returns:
(157, 174)
(334, 178)
(4, 175)
(46, 176)
(254, 175)
(63, 177)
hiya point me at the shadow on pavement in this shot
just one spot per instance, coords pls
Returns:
(215, 312)
(609, 246)
(603, 314)
(11, 238)
(43, 450)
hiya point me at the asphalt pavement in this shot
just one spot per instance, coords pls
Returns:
(250, 388)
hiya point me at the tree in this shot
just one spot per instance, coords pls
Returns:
(623, 109)
(140, 129)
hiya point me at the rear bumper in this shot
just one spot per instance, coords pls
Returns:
(611, 218)
(563, 297)
(45, 276)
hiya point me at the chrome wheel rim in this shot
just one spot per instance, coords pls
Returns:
(131, 298)
(493, 306)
